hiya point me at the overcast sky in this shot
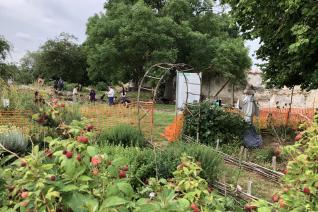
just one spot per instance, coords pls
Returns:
(29, 23)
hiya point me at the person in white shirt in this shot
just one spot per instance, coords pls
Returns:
(75, 93)
(111, 95)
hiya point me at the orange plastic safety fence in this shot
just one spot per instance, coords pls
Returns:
(19, 118)
(173, 131)
(281, 117)
(104, 116)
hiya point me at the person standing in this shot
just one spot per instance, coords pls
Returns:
(111, 95)
(60, 84)
(75, 92)
(92, 96)
(250, 109)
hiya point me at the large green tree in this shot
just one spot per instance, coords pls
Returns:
(131, 35)
(288, 32)
(59, 57)
(4, 51)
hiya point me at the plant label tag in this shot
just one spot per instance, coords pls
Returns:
(6, 103)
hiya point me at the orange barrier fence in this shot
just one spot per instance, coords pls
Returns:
(104, 116)
(21, 119)
(173, 131)
(281, 117)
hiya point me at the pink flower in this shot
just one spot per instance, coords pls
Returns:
(95, 160)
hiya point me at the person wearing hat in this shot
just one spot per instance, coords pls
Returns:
(250, 109)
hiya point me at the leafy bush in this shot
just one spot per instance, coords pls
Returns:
(101, 86)
(300, 183)
(124, 135)
(74, 175)
(69, 86)
(13, 139)
(213, 123)
(147, 163)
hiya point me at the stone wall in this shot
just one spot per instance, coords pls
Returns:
(273, 98)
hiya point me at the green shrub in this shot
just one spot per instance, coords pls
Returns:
(213, 123)
(124, 135)
(69, 86)
(12, 139)
(145, 163)
(101, 86)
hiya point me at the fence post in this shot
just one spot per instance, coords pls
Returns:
(217, 144)
(241, 153)
(245, 154)
(249, 187)
(274, 162)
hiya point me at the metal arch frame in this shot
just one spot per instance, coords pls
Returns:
(165, 68)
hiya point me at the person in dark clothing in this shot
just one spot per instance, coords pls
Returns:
(92, 96)
(55, 85)
(60, 84)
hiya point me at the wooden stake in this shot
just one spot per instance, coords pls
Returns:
(224, 181)
(274, 163)
(241, 153)
(217, 144)
(249, 187)
(245, 154)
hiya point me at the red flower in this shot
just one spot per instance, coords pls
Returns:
(95, 160)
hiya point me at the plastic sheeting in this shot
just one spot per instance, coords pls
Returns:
(251, 138)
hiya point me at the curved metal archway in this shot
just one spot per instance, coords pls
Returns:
(156, 73)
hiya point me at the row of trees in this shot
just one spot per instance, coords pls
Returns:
(131, 35)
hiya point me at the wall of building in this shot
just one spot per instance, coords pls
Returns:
(274, 98)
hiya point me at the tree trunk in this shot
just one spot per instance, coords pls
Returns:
(169, 93)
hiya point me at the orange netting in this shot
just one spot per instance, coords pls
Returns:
(279, 117)
(173, 131)
(104, 116)
(19, 118)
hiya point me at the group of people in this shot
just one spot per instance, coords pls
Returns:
(111, 94)
(58, 84)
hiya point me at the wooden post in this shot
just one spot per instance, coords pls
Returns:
(241, 153)
(217, 144)
(233, 103)
(224, 181)
(290, 106)
(249, 187)
(245, 154)
(274, 163)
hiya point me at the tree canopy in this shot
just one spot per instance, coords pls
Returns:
(59, 57)
(288, 33)
(131, 35)
(4, 50)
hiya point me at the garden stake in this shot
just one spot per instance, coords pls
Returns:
(241, 153)
(274, 163)
(217, 144)
(249, 187)
(245, 154)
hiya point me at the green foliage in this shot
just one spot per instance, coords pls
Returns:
(146, 163)
(13, 139)
(60, 57)
(69, 86)
(132, 35)
(101, 86)
(299, 189)
(74, 174)
(125, 135)
(287, 30)
(213, 123)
